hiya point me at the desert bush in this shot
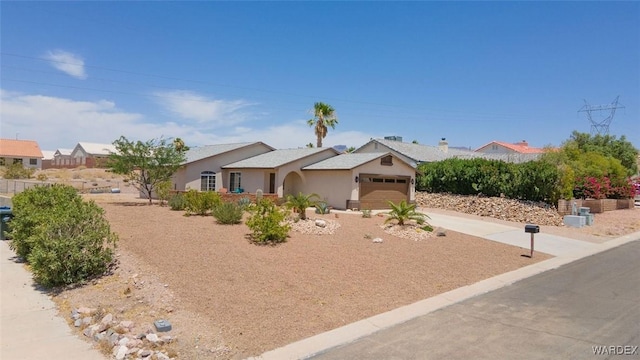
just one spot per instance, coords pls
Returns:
(42, 177)
(228, 213)
(322, 208)
(244, 202)
(267, 223)
(17, 171)
(162, 190)
(366, 213)
(177, 202)
(200, 203)
(65, 240)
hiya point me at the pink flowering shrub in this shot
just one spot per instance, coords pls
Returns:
(590, 187)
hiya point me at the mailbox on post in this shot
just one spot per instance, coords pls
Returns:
(531, 229)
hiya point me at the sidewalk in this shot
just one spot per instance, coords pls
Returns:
(30, 328)
(566, 251)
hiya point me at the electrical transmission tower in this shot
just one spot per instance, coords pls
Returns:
(601, 125)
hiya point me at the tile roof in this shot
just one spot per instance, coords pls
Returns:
(345, 161)
(20, 148)
(203, 152)
(276, 158)
(97, 149)
(522, 148)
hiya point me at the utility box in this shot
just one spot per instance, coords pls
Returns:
(575, 221)
(532, 229)
(5, 218)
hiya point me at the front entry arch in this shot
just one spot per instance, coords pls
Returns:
(292, 184)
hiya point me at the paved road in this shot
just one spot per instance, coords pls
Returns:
(559, 314)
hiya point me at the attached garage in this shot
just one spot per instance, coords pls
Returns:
(377, 190)
(361, 181)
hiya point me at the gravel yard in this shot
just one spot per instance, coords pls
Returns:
(230, 299)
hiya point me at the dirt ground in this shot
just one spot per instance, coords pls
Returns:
(227, 298)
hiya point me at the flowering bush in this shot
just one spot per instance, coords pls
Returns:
(590, 187)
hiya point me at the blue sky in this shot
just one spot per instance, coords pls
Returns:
(221, 72)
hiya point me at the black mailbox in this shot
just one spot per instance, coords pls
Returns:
(533, 229)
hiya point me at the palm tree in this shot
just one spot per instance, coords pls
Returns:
(299, 203)
(404, 212)
(350, 150)
(324, 115)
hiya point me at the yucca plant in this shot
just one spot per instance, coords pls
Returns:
(403, 212)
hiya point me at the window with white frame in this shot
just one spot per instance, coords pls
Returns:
(207, 181)
(235, 181)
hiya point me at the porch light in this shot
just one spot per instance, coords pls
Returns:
(356, 178)
(412, 181)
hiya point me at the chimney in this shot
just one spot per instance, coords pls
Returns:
(443, 145)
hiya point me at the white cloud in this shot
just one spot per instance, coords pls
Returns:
(56, 122)
(69, 63)
(214, 113)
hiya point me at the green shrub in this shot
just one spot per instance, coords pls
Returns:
(267, 223)
(162, 189)
(299, 203)
(366, 213)
(17, 171)
(177, 202)
(403, 212)
(244, 202)
(322, 208)
(200, 203)
(65, 239)
(228, 213)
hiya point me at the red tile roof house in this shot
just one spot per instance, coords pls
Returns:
(25, 152)
(499, 147)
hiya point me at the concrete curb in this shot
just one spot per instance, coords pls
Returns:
(323, 342)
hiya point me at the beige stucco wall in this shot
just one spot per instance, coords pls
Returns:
(499, 150)
(333, 186)
(188, 176)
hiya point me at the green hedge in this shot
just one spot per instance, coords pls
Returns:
(533, 180)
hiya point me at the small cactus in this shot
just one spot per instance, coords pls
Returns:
(258, 195)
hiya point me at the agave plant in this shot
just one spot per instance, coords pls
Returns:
(403, 212)
(299, 203)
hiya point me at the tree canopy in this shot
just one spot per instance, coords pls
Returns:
(147, 164)
(324, 116)
(606, 145)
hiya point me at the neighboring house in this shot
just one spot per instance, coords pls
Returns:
(25, 152)
(361, 181)
(202, 170)
(499, 147)
(62, 158)
(416, 154)
(276, 172)
(91, 154)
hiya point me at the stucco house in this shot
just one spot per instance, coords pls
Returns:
(276, 172)
(361, 181)
(416, 154)
(91, 154)
(62, 158)
(202, 170)
(25, 152)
